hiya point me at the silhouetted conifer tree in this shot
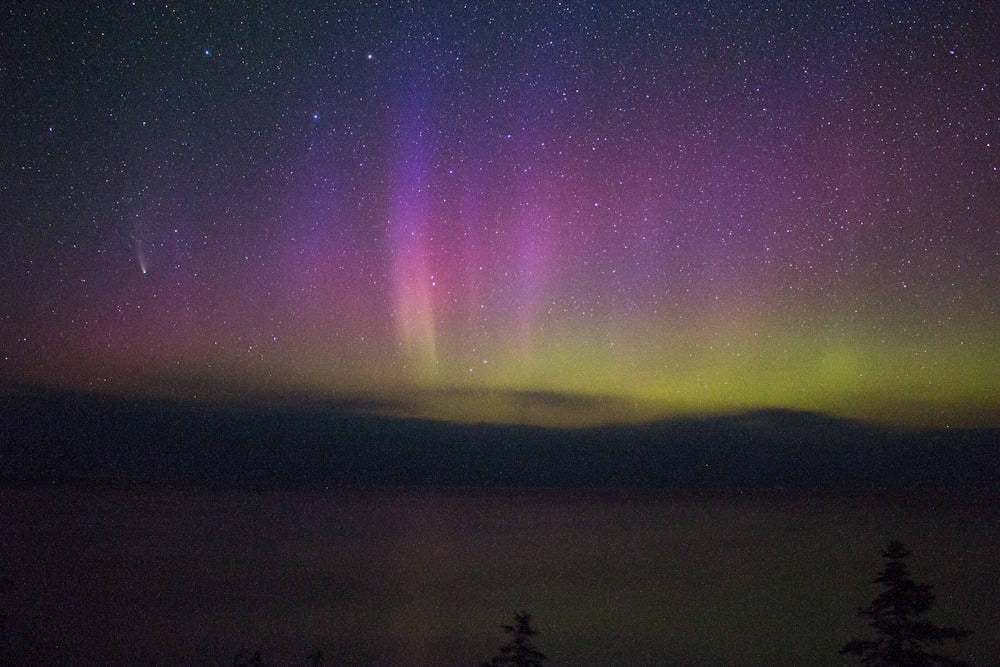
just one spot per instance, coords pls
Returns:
(239, 660)
(900, 638)
(518, 650)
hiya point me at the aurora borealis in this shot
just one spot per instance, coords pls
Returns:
(560, 214)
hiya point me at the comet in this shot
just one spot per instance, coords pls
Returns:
(140, 255)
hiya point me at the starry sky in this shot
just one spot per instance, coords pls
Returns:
(558, 213)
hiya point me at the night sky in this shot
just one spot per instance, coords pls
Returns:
(559, 214)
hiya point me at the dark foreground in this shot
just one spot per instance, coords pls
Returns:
(157, 575)
(59, 435)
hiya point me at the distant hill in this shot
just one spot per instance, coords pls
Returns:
(54, 435)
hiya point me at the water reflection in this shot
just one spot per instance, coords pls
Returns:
(424, 577)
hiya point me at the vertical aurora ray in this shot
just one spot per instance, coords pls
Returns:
(534, 262)
(413, 299)
(413, 281)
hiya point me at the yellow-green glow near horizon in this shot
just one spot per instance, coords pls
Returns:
(911, 383)
(581, 376)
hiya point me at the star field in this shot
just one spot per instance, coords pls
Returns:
(447, 208)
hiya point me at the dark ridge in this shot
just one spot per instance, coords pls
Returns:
(62, 435)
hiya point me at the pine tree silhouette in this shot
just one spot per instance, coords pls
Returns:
(240, 660)
(900, 638)
(518, 650)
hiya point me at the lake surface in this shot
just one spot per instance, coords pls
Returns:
(158, 575)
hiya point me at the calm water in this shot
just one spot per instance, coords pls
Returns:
(151, 575)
